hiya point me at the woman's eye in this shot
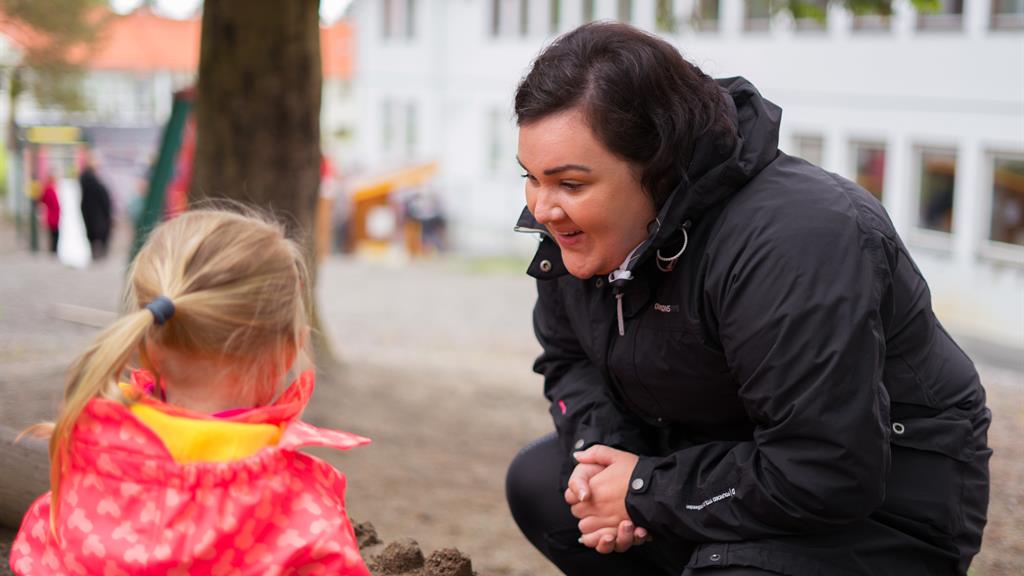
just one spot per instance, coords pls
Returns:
(570, 185)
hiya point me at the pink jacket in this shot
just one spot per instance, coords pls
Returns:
(49, 200)
(128, 508)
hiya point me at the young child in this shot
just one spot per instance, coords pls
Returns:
(192, 465)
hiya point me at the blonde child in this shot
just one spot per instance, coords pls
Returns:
(191, 466)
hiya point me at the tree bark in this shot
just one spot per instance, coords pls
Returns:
(258, 116)
(24, 475)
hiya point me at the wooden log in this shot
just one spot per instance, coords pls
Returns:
(24, 475)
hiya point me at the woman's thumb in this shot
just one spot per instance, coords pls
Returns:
(594, 455)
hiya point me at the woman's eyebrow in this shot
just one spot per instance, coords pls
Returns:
(557, 169)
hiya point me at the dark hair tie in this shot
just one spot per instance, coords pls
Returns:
(162, 309)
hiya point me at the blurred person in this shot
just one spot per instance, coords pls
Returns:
(97, 210)
(191, 464)
(424, 208)
(51, 205)
(745, 373)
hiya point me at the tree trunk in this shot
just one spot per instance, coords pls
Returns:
(24, 475)
(258, 115)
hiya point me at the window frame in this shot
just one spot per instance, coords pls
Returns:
(701, 26)
(921, 236)
(1005, 21)
(948, 22)
(1005, 252)
(854, 145)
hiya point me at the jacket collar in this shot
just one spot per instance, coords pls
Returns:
(284, 412)
(715, 174)
(288, 405)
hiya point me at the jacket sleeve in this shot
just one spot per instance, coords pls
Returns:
(799, 317)
(583, 412)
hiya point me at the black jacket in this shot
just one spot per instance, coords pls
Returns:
(794, 401)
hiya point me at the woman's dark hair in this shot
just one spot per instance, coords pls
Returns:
(643, 101)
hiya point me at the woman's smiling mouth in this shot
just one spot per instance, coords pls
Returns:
(567, 239)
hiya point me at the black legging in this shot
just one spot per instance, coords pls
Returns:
(538, 507)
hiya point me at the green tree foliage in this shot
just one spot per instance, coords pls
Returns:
(53, 30)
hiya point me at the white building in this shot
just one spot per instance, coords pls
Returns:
(926, 110)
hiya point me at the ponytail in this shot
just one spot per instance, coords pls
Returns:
(93, 374)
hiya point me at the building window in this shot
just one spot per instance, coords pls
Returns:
(871, 17)
(665, 16)
(509, 17)
(948, 15)
(869, 166)
(1007, 223)
(398, 19)
(588, 11)
(387, 18)
(495, 138)
(410, 19)
(554, 15)
(809, 15)
(410, 130)
(143, 96)
(757, 15)
(1008, 14)
(705, 15)
(625, 11)
(810, 148)
(936, 185)
(387, 125)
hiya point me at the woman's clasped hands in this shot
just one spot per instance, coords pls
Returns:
(597, 497)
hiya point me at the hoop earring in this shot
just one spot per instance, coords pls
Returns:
(668, 264)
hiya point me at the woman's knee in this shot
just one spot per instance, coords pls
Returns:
(532, 479)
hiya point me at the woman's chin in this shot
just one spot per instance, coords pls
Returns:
(582, 270)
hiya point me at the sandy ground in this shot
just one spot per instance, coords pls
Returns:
(436, 371)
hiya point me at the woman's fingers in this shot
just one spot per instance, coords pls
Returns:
(579, 481)
(578, 486)
(606, 545)
(594, 523)
(592, 539)
(570, 497)
(624, 540)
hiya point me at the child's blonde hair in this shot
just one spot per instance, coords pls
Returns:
(239, 290)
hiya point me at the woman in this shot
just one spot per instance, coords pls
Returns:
(745, 373)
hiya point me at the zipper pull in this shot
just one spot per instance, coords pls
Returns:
(618, 305)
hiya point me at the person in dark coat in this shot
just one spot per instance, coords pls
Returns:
(97, 211)
(745, 373)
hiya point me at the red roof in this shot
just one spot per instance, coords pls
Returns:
(143, 41)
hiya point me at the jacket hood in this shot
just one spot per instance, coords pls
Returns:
(714, 175)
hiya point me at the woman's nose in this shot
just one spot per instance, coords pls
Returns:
(546, 208)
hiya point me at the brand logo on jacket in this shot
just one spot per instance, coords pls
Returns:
(727, 494)
(666, 307)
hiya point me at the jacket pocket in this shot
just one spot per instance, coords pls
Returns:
(926, 477)
(677, 378)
